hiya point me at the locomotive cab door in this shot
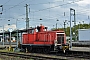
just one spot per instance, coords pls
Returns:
(61, 45)
(60, 38)
(59, 41)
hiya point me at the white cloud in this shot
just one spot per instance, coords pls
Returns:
(83, 3)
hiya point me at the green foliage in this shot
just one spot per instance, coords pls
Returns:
(79, 26)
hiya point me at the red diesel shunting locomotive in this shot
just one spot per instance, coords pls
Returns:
(43, 40)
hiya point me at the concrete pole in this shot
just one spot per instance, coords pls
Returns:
(70, 31)
(17, 32)
(75, 24)
(27, 19)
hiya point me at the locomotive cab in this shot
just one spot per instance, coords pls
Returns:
(60, 42)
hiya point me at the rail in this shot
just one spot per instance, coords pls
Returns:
(32, 56)
(78, 55)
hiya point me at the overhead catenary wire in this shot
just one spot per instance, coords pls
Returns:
(16, 5)
(41, 9)
(52, 7)
(6, 2)
(48, 2)
(58, 6)
(39, 3)
(45, 3)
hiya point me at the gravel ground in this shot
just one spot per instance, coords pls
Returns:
(3, 57)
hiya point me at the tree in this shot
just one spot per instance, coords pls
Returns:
(79, 26)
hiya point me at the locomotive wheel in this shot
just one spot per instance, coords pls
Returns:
(46, 51)
(29, 49)
(33, 50)
(38, 50)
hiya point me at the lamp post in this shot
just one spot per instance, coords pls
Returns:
(17, 32)
(10, 30)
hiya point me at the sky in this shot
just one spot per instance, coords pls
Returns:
(48, 10)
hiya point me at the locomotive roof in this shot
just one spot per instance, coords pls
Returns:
(53, 31)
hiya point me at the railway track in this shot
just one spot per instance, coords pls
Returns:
(34, 56)
(78, 55)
